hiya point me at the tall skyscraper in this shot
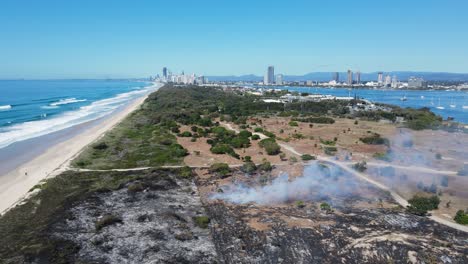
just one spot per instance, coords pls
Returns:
(350, 77)
(270, 75)
(358, 77)
(279, 79)
(165, 73)
(336, 77)
(388, 80)
(394, 82)
(380, 78)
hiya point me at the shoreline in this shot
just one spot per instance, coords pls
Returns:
(55, 159)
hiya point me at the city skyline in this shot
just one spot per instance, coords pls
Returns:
(104, 39)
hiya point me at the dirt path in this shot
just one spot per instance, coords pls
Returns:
(398, 198)
(409, 168)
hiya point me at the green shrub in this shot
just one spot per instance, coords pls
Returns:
(248, 167)
(375, 140)
(298, 136)
(100, 146)
(461, 217)
(420, 205)
(185, 172)
(293, 123)
(329, 150)
(255, 137)
(247, 158)
(325, 207)
(317, 120)
(269, 134)
(245, 134)
(382, 156)
(220, 168)
(328, 142)
(185, 134)
(300, 204)
(306, 157)
(270, 146)
(202, 221)
(258, 129)
(265, 166)
(240, 142)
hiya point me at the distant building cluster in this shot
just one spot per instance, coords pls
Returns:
(169, 77)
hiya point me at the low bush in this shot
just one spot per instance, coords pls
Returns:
(265, 166)
(201, 221)
(360, 166)
(306, 157)
(221, 169)
(185, 134)
(107, 220)
(255, 137)
(375, 139)
(419, 205)
(293, 123)
(270, 146)
(461, 217)
(248, 167)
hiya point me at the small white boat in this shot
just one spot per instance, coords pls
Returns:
(422, 96)
(465, 107)
(452, 104)
(439, 106)
(403, 98)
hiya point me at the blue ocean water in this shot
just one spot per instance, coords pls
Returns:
(454, 103)
(33, 108)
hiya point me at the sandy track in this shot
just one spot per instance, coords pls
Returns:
(398, 198)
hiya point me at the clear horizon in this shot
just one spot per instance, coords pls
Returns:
(118, 39)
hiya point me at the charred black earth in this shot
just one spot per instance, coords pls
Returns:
(159, 216)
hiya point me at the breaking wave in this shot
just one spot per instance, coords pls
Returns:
(67, 101)
(5, 107)
(95, 110)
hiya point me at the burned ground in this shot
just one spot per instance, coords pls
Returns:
(142, 217)
(352, 236)
(354, 230)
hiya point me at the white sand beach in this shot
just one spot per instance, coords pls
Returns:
(15, 185)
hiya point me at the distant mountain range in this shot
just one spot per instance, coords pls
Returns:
(327, 76)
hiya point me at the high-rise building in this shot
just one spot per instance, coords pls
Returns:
(269, 76)
(388, 81)
(279, 79)
(350, 77)
(336, 77)
(380, 78)
(358, 77)
(165, 73)
(394, 82)
(415, 82)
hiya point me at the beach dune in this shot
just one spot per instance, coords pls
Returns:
(16, 184)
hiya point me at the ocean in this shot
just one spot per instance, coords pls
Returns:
(451, 103)
(29, 109)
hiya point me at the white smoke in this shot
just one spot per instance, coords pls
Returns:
(318, 183)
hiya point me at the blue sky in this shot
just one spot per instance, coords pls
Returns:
(108, 39)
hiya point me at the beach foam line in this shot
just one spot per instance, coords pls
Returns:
(95, 110)
(67, 101)
(5, 107)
